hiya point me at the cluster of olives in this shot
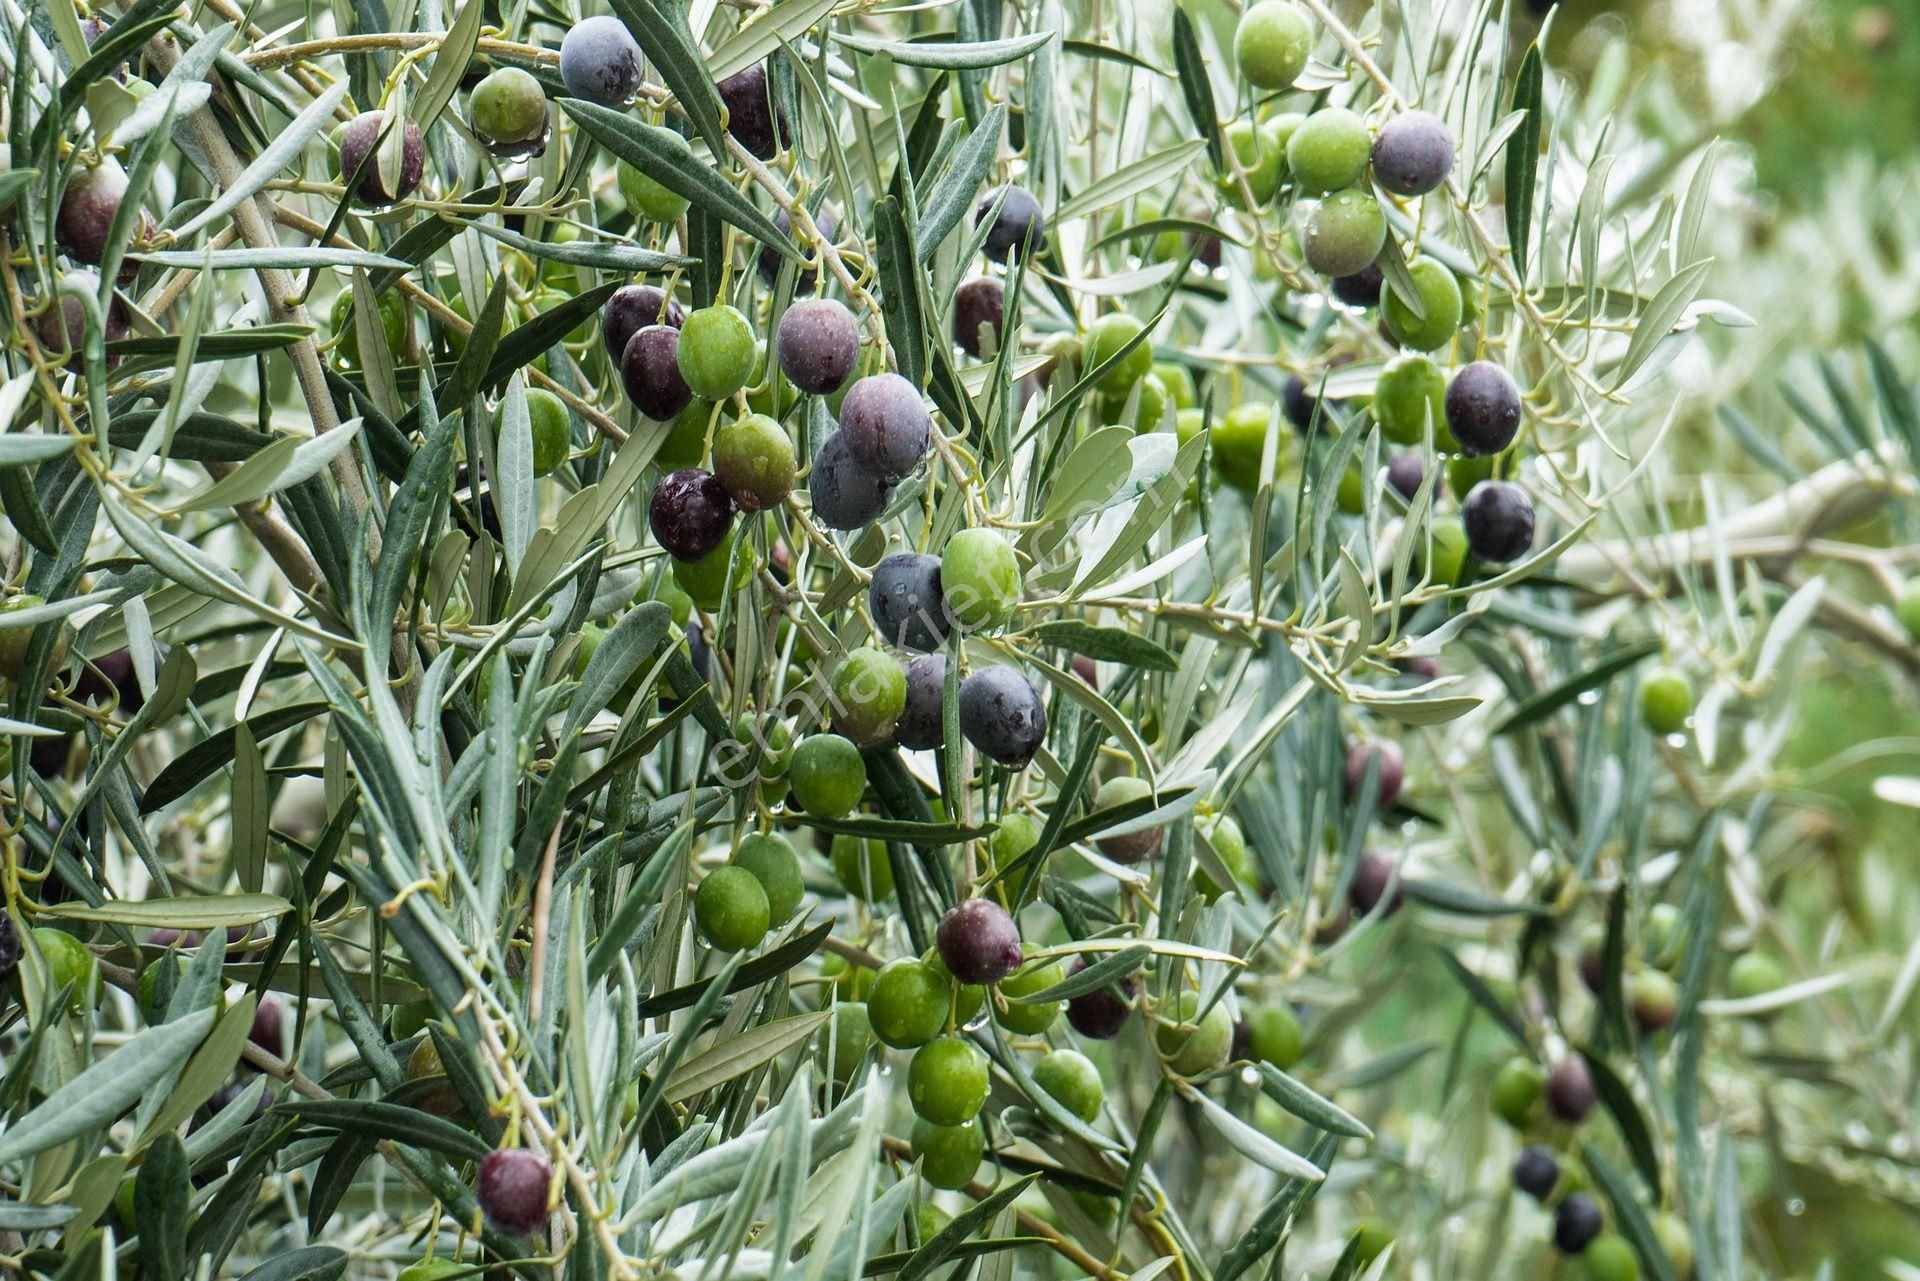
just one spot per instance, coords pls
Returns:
(1338, 170)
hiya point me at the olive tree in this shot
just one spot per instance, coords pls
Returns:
(1005, 638)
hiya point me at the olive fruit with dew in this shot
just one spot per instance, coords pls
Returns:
(1106, 337)
(601, 61)
(1498, 517)
(818, 343)
(716, 351)
(1576, 1222)
(1570, 1092)
(1410, 395)
(980, 579)
(1344, 233)
(1193, 1043)
(1002, 715)
(633, 308)
(907, 1004)
(1391, 776)
(753, 458)
(1100, 1014)
(1072, 1081)
(356, 141)
(1438, 319)
(922, 723)
(845, 494)
(862, 867)
(1018, 227)
(1271, 44)
(1666, 700)
(1375, 886)
(690, 513)
(87, 209)
(769, 858)
(869, 692)
(948, 1154)
(1483, 408)
(508, 113)
(1328, 152)
(1536, 1171)
(947, 1081)
(1136, 846)
(731, 908)
(1516, 1090)
(1274, 1035)
(1413, 153)
(1021, 1015)
(513, 1188)
(905, 599)
(827, 775)
(752, 118)
(979, 308)
(978, 941)
(1360, 289)
(885, 425)
(645, 198)
(650, 371)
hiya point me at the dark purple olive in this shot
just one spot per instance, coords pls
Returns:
(650, 368)
(1392, 770)
(818, 343)
(922, 723)
(357, 139)
(1404, 473)
(979, 308)
(1018, 229)
(979, 942)
(1570, 1090)
(1101, 1013)
(513, 1188)
(1002, 715)
(752, 118)
(845, 495)
(1371, 880)
(690, 513)
(826, 222)
(1498, 517)
(631, 309)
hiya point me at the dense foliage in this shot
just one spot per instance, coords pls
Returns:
(1001, 638)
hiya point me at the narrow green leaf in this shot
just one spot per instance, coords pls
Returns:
(106, 1089)
(1523, 155)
